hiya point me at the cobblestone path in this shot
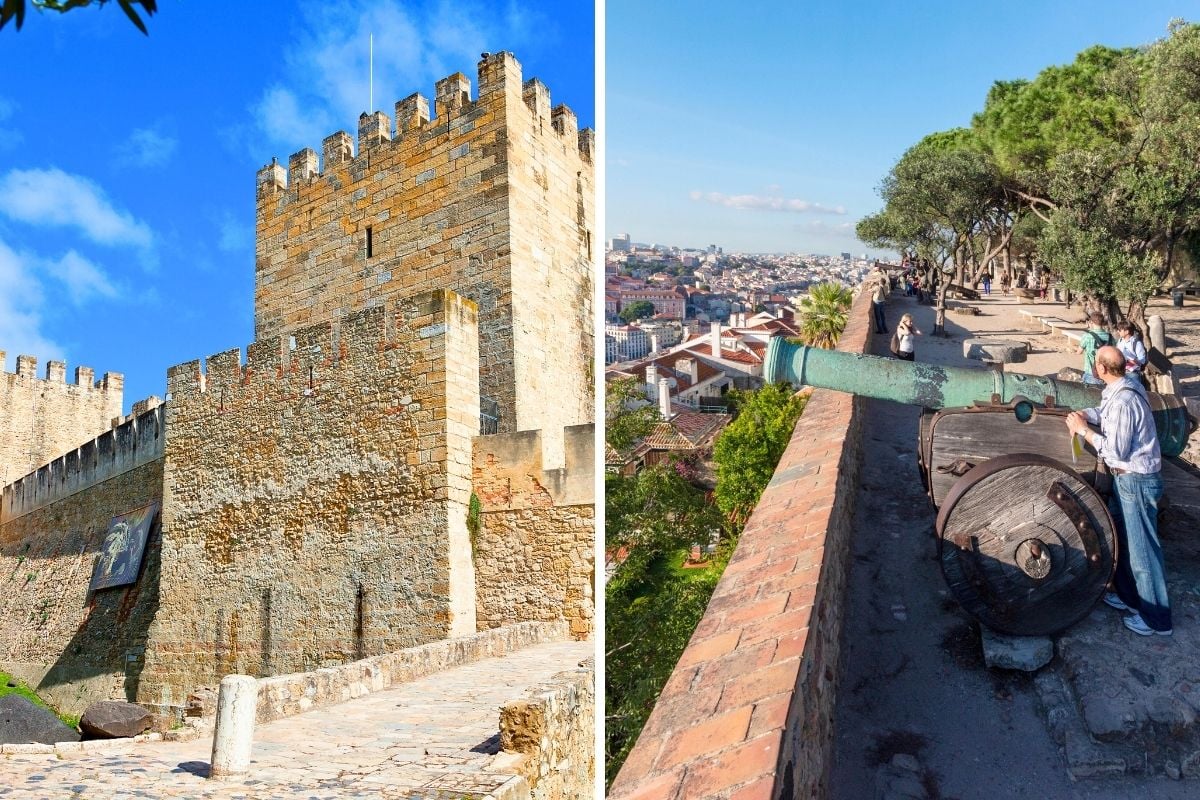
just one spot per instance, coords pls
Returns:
(431, 738)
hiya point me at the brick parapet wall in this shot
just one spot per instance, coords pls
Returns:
(548, 737)
(331, 475)
(535, 549)
(748, 711)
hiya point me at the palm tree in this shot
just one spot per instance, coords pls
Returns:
(824, 314)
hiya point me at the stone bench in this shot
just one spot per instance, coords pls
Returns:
(1029, 318)
(996, 351)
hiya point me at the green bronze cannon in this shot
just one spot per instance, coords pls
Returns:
(1024, 538)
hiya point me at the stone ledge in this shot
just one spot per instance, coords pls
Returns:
(287, 695)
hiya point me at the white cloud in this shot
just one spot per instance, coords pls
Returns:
(328, 83)
(770, 202)
(81, 278)
(21, 305)
(146, 147)
(54, 197)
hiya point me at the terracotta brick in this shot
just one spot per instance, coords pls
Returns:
(708, 737)
(791, 646)
(777, 627)
(750, 761)
(659, 787)
(762, 789)
(752, 612)
(770, 714)
(707, 649)
(680, 712)
(762, 683)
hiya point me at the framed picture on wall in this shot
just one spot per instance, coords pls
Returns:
(120, 557)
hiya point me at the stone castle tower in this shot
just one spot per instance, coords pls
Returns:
(492, 199)
(423, 335)
(40, 419)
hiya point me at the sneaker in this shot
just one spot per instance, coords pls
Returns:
(1138, 625)
(1114, 600)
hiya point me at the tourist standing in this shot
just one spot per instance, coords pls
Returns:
(906, 344)
(987, 283)
(878, 284)
(1128, 444)
(1092, 340)
(1129, 342)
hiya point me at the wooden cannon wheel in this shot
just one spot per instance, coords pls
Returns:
(1026, 546)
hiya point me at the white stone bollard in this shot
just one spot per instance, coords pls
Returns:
(233, 739)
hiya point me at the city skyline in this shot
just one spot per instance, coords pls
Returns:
(769, 133)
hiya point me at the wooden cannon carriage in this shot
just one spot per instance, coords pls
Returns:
(1025, 540)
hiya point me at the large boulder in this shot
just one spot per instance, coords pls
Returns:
(24, 722)
(112, 719)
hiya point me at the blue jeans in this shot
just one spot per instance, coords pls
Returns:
(1141, 578)
(880, 320)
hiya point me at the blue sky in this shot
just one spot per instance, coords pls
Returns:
(127, 162)
(766, 127)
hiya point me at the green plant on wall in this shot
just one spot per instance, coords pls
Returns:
(474, 509)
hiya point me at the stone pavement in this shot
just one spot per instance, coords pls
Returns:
(436, 737)
(918, 715)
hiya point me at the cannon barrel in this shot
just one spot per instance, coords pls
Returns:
(937, 387)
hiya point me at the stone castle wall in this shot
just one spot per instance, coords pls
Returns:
(42, 418)
(535, 550)
(315, 501)
(490, 198)
(73, 646)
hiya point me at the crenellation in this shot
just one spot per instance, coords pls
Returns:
(498, 73)
(373, 130)
(272, 179)
(587, 144)
(537, 97)
(338, 149)
(412, 114)
(56, 372)
(112, 382)
(302, 167)
(564, 123)
(27, 366)
(84, 377)
(451, 94)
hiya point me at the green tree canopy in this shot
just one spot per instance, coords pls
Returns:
(639, 309)
(628, 415)
(15, 9)
(748, 450)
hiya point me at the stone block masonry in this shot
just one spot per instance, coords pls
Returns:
(73, 646)
(535, 549)
(491, 197)
(748, 711)
(315, 498)
(43, 418)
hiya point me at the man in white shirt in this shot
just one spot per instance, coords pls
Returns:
(1128, 443)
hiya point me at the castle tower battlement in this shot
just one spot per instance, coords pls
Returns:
(43, 418)
(489, 197)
